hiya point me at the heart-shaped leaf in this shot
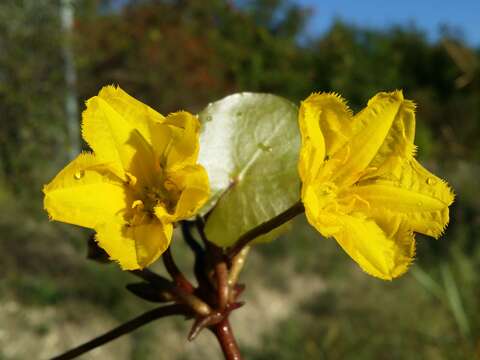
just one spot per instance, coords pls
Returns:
(249, 146)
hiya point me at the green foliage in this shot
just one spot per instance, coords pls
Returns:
(249, 147)
(39, 290)
(30, 79)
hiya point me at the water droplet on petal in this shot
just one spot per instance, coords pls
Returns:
(419, 203)
(79, 174)
(431, 181)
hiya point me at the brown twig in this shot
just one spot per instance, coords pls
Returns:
(177, 276)
(190, 240)
(225, 337)
(216, 273)
(194, 302)
(221, 273)
(200, 222)
(265, 228)
(200, 254)
(123, 329)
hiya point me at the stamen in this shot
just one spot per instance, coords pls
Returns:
(137, 205)
(131, 179)
(169, 185)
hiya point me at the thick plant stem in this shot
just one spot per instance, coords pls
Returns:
(221, 272)
(265, 228)
(123, 329)
(225, 337)
(221, 275)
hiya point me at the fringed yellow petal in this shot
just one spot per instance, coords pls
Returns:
(330, 113)
(415, 177)
(111, 237)
(116, 141)
(133, 247)
(398, 145)
(378, 253)
(184, 146)
(419, 179)
(411, 192)
(151, 240)
(194, 190)
(85, 193)
(397, 200)
(383, 249)
(312, 152)
(139, 115)
(370, 128)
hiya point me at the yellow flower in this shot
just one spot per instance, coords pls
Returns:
(141, 177)
(362, 184)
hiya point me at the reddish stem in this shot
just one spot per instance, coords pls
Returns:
(177, 276)
(225, 337)
(265, 228)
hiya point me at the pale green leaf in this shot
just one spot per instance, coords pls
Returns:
(249, 146)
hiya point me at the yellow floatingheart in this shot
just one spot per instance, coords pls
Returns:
(141, 177)
(362, 184)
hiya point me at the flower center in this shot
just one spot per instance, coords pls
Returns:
(146, 198)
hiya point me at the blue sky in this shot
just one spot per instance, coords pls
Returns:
(428, 15)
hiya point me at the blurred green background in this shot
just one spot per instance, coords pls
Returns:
(305, 298)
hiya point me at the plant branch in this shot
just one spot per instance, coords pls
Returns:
(225, 337)
(200, 258)
(123, 329)
(200, 222)
(177, 276)
(189, 299)
(221, 273)
(265, 228)
(190, 240)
